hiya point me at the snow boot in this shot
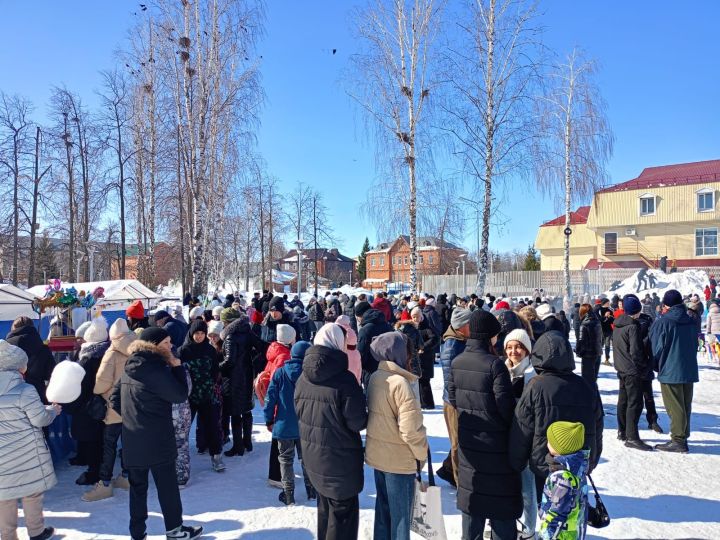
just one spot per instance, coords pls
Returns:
(184, 532)
(673, 446)
(287, 497)
(121, 482)
(217, 463)
(99, 492)
(637, 444)
(655, 427)
(235, 451)
(247, 427)
(45, 535)
(621, 436)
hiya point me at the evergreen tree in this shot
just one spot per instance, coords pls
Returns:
(532, 260)
(361, 269)
(46, 267)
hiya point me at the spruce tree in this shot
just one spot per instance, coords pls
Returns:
(532, 260)
(46, 267)
(361, 268)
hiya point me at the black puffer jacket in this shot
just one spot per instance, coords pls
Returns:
(590, 338)
(628, 347)
(269, 328)
(40, 360)
(373, 324)
(201, 360)
(480, 389)
(84, 428)
(553, 323)
(144, 397)
(431, 342)
(555, 393)
(645, 322)
(243, 353)
(331, 412)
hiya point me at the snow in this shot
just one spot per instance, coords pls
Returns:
(687, 282)
(648, 495)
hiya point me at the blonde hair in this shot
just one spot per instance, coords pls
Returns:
(529, 313)
(526, 325)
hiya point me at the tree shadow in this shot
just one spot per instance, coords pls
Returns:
(274, 534)
(664, 508)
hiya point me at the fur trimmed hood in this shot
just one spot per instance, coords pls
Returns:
(138, 347)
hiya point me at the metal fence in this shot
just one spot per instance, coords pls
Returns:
(524, 283)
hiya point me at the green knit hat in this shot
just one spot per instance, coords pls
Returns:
(228, 315)
(566, 437)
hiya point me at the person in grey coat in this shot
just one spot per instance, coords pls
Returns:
(26, 469)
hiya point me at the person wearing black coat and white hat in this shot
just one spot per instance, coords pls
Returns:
(153, 381)
(481, 391)
(555, 393)
(41, 363)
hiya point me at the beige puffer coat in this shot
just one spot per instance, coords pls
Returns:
(111, 369)
(395, 432)
(713, 320)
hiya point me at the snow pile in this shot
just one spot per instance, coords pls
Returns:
(655, 281)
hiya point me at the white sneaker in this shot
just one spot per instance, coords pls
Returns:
(184, 532)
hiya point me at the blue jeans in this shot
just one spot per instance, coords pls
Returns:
(393, 505)
(530, 509)
(474, 526)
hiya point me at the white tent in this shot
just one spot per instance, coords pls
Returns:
(119, 294)
(15, 303)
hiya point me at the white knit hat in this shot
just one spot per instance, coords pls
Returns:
(285, 334)
(217, 310)
(519, 335)
(119, 328)
(12, 358)
(80, 332)
(215, 327)
(97, 332)
(544, 311)
(196, 312)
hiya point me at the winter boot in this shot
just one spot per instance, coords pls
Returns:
(238, 450)
(679, 447)
(621, 436)
(121, 482)
(637, 444)
(655, 427)
(217, 463)
(45, 535)
(310, 490)
(247, 427)
(287, 497)
(101, 491)
(77, 461)
(184, 532)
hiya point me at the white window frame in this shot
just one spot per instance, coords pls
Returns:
(704, 191)
(430, 259)
(704, 253)
(645, 197)
(372, 261)
(382, 260)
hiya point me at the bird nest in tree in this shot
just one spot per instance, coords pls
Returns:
(184, 42)
(190, 71)
(184, 56)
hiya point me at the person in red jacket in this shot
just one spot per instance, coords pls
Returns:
(382, 304)
(708, 292)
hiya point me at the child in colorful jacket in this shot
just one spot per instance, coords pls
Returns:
(563, 510)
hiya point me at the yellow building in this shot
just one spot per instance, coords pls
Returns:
(669, 211)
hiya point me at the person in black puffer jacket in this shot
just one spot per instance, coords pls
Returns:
(480, 389)
(371, 323)
(200, 358)
(153, 381)
(590, 343)
(651, 414)
(631, 365)
(87, 431)
(332, 412)
(555, 393)
(430, 343)
(243, 360)
(41, 363)
(277, 314)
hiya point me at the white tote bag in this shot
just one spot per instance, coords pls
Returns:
(427, 517)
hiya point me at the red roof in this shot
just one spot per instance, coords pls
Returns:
(699, 172)
(578, 216)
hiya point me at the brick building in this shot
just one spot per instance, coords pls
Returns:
(331, 264)
(389, 262)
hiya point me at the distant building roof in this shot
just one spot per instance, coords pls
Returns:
(577, 217)
(422, 242)
(698, 172)
(321, 253)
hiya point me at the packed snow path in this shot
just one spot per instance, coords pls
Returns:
(648, 495)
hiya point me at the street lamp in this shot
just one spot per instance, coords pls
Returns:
(299, 242)
(457, 276)
(462, 260)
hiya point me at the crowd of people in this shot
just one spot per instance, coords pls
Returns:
(525, 430)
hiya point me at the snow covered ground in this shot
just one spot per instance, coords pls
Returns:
(648, 495)
(687, 282)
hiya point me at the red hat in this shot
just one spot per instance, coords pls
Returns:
(136, 310)
(405, 315)
(502, 305)
(598, 301)
(421, 302)
(257, 317)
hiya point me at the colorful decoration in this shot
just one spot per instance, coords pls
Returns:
(57, 297)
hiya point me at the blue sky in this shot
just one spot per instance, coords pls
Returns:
(660, 75)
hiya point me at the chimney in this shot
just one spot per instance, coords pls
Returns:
(335, 252)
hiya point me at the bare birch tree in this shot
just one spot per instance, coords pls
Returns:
(392, 84)
(576, 141)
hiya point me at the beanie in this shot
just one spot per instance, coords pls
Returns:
(161, 314)
(483, 325)
(257, 317)
(299, 349)
(217, 311)
(544, 311)
(502, 304)
(12, 358)
(519, 335)
(198, 325)
(460, 317)
(228, 315)
(97, 332)
(405, 315)
(277, 304)
(154, 334)
(215, 327)
(672, 298)
(136, 310)
(119, 328)
(285, 334)
(566, 437)
(195, 313)
(361, 308)
(80, 332)
(631, 304)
